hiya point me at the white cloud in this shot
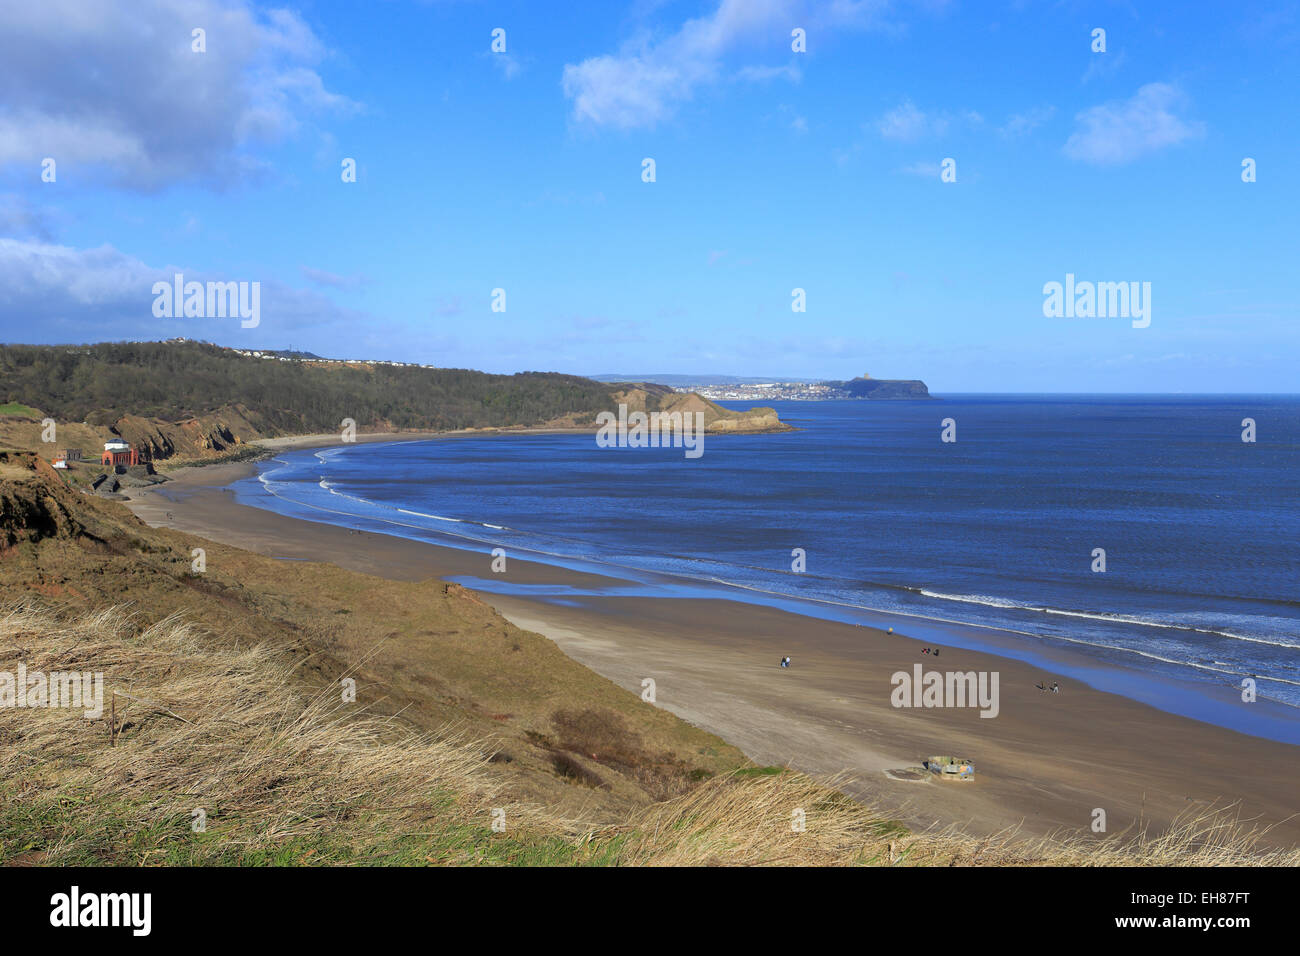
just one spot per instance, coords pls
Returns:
(644, 83)
(115, 86)
(1122, 131)
(628, 92)
(102, 294)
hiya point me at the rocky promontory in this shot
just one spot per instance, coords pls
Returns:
(878, 388)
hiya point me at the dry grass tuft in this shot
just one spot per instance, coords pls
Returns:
(226, 729)
(291, 775)
(748, 820)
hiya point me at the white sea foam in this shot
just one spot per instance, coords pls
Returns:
(1139, 620)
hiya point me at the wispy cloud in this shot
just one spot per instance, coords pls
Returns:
(1022, 124)
(1124, 130)
(643, 84)
(760, 74)
(507, 64)
(924, 169)
(1104, 65)
(906, 123)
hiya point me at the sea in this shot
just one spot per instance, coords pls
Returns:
(1141, 535)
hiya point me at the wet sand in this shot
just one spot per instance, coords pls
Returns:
(1044, 763)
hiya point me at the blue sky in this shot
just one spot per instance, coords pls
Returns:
(775, 170)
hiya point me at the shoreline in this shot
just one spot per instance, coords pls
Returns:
(268, 446)
(1213, 702)
(1044, 763)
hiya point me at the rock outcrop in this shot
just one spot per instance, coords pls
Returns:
(34, 503)
(648, 397)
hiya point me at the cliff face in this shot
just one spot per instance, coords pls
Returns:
(200, 437)
(34, 502)
(881, 388)
(193, 438)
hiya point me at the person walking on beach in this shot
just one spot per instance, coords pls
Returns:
(785, 662)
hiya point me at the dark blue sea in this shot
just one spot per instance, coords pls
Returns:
(1201, 531)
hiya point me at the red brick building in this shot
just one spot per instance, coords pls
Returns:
(119, 452)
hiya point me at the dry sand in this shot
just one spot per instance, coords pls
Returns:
(1044, 763)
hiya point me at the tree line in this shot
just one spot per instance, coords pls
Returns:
(173, 381)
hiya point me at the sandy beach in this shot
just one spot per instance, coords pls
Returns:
(1045, 763)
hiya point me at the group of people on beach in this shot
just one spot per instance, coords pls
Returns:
(1055, 688)
(785, 661)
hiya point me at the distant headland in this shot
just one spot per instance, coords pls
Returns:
(758, 388)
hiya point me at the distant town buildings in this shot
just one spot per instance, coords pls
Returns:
(763, 391)
(286, 355)
(317, 360)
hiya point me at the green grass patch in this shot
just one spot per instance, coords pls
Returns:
(759, 771)
(18, 408)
